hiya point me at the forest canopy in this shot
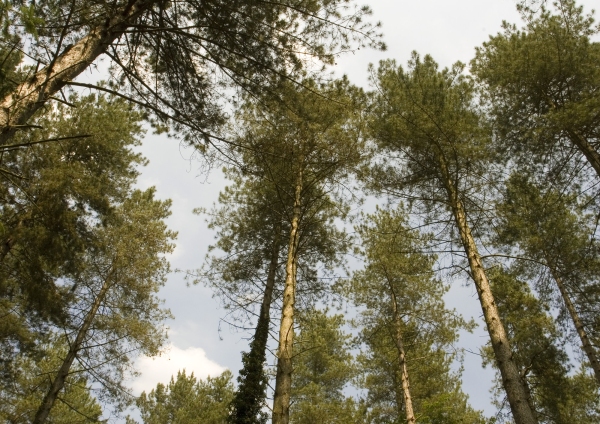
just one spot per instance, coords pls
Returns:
(350, 216)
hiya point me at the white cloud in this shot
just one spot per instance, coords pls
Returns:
(160, 369)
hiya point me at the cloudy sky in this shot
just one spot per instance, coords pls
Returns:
(449, 31)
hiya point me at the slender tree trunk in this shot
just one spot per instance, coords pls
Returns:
(59, 381)
(250, 395)
(19, 106)
(283, 380)
(585, 341)
(511, 378)
(408, 407)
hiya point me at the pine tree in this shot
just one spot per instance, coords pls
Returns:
(115, 313)
(187, 400)
(407, 332)
(20, 398)
(555, 395)
(542, 85)
(50, 194)
(250, 223)
(426, 121)
(173, 61)
(550, 230)
(253, 222)
(303, 145)
(323, 367)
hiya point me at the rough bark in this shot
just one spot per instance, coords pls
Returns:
(585, 341)
(511, 378)
(20, 105)
(408, 407)
(59, 381)
(283, 380)
(250, 395)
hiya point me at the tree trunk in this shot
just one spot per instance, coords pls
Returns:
(283, 380)
(19, 106)
(408, 407)
(590, 153)
(250, 395)
(585, 341)
(59, 381)
(511, 379)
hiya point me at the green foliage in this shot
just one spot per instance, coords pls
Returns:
(306, 135)
(248, 401)
(552, 231)
(127, 259)
(82, 252)
(557, 396)
(178, 61)
(304, 131)
(249, 225)
(249, 220)
(53, 194)
(20, 398)
(299, 135)
(542, 83)
(30, 20)
(397, 271)
(10, 58)
(429, 134)
(323, 366)
(186, 400)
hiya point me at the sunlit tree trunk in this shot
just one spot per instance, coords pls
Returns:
(59, 381)
(283, 380)
(408, 407)
(19, 106)
(511, 378)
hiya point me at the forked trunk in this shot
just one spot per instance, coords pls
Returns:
(408, 407)
(283, 380)
(585, 341)
(511, 378)
(19, 106)
(59, 381)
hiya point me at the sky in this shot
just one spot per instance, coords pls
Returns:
(449, 31)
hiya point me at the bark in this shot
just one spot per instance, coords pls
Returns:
(59, 381)
(283, 380)
(408, 407)
(19, 106)
(590, 153)
(585, 341)
(251, 391)
(511, 378)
